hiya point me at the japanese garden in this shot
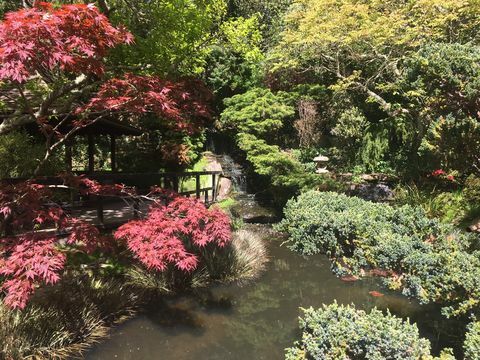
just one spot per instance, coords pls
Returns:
(240, 179)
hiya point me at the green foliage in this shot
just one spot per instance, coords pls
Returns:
(171, 36)
(257, 112)
(270, 12)
(471, 346)
(234, 63)
(258, 117)
(351, 126)
(447, 206)
(472, 189)
(281, 167)
(343, 332)
(20, 154)
(407, 70)
(442, 84)
(423, 258)
(9, 5)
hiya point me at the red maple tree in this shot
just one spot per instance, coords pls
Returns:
(46, 38)
(61, 49)
(173, 233)
(30, 252)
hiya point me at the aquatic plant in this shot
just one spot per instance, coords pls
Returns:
(417, 255)
(343, 332)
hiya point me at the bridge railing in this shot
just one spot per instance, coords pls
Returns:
(204, 187)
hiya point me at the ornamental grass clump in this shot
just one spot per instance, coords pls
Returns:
(343, 332)
(65, 319)
(417, 255)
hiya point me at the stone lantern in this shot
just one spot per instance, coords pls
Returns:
(321, 162)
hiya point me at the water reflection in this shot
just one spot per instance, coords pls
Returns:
(257, 321)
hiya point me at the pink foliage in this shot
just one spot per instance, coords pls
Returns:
(26, 261)
(33, 257)
(438, 172)
(171, 234)
(72, 38)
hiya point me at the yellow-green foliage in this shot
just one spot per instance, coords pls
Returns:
(471, 346)
(243, 36)
(171, 36)
(374, 26)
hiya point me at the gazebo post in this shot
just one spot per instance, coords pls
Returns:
(68, 156)
(91, 154)
(113, 153)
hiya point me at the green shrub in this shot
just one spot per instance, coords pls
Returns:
(447, 206)
(20, 154)
(422, 257)
(471, 346)
(472, 189)
(343, 332)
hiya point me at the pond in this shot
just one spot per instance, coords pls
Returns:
(258, 320)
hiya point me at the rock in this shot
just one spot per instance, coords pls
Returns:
(251, 212)
(224, 188)
(367, 177)
(373, 192)
(475, 227)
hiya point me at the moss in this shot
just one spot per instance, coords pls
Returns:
(189, 184)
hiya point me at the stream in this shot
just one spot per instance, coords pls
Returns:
(258, 320)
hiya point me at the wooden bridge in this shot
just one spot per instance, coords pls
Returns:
(112, 211)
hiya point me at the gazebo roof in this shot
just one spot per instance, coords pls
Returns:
(109, 127)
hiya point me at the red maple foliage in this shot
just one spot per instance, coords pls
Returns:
(51, 42)
(29, 256)
(72, 38)
(182, 105)
(171, 234)
(27, 261)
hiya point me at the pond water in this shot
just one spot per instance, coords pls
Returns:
(259, 320)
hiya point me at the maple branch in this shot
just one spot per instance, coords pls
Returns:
(27, 4)
(10, 124)
(104, 7)
(61, 141)
(58, 93)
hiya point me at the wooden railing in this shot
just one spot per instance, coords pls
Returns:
(142, 182)
(167, 180)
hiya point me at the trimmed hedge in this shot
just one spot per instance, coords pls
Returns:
(343, 332)
(417, 255)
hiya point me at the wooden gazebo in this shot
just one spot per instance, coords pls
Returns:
(103, 127)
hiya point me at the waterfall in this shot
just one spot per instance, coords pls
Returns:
(233, 171)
